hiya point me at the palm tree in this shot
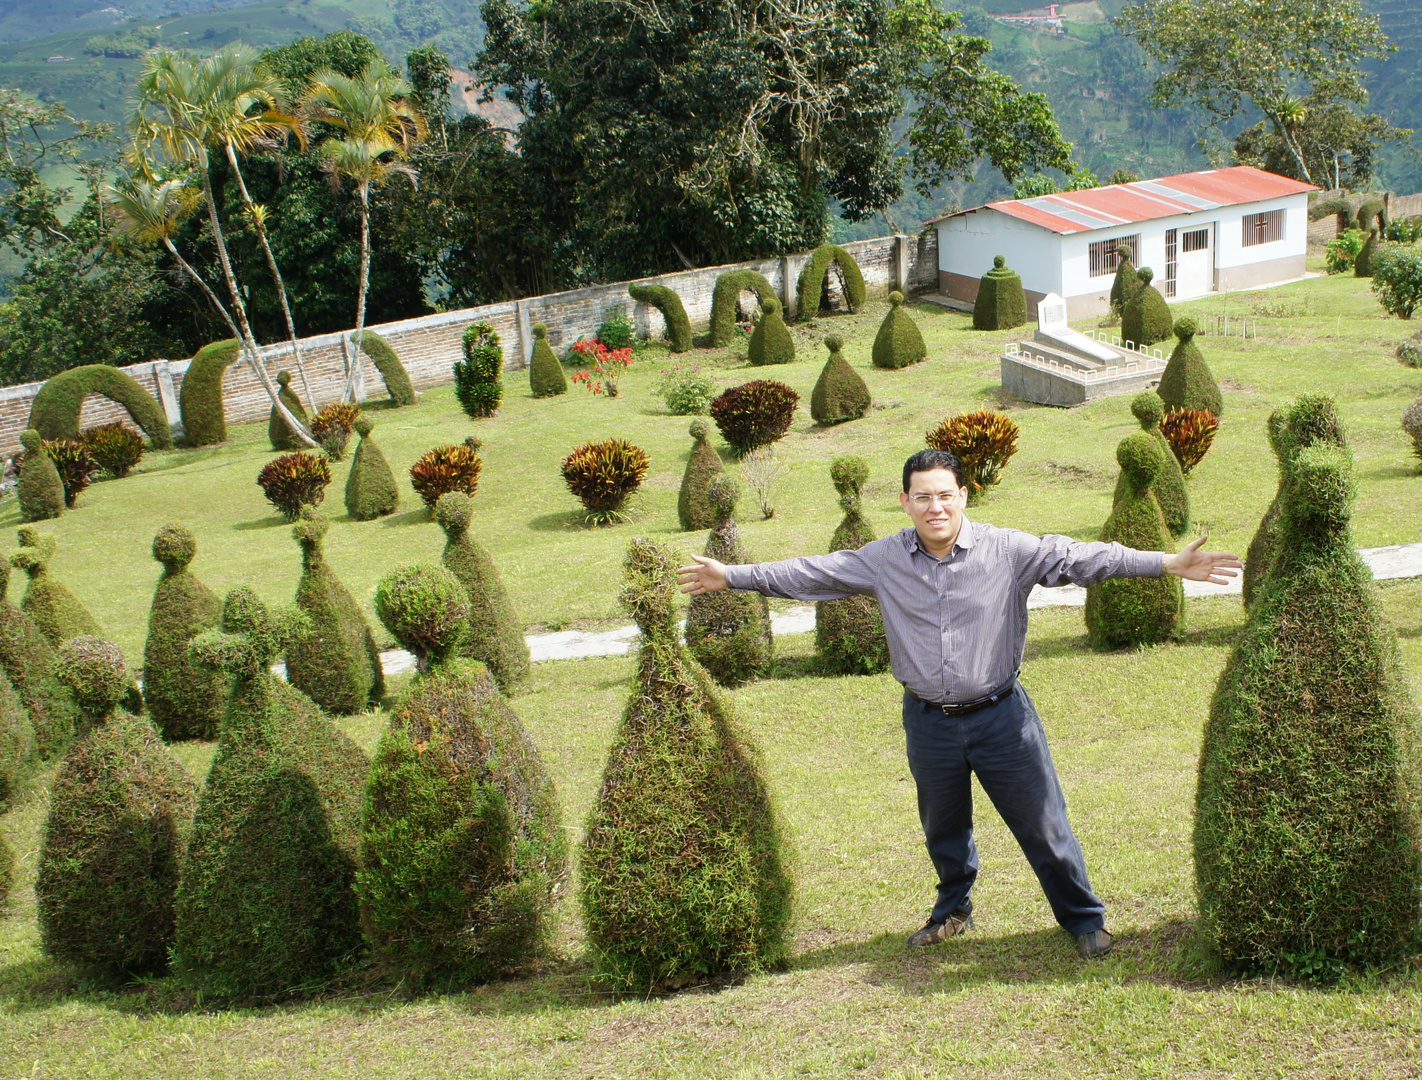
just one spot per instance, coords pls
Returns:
(379, 123)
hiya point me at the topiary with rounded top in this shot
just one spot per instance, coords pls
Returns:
(1186, 382)
(17, 741)
(849, 633)
(673, 312)
(1126, 283)
(724, 297)
(28, 661)
(754, 414)
(770, 341)
(1308, 825)
(370, 485)
(56, 409)
(1001, 303)
(200, 401)
(728, 632)
(1168, 487)
(184, 701)
(1146, 610)
(119, 813)
(683, 871)
(545, 374)
(279, 432)
(392, 372)
(39, 490)
(426, 608)
(1146, 317)
(810, 291)
(693, 508)
(898, 342)
(54, 609)
(840, 392)
(478, 377)
(495, 635)
(267, 905)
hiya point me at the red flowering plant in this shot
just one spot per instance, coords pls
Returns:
(607, 366)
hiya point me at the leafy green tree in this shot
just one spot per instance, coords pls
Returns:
(1397, 278)
(1339, 144)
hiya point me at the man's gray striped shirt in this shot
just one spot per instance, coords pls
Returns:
(956, 627)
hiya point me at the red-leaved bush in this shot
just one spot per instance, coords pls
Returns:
(755, 413)
(1189, 433)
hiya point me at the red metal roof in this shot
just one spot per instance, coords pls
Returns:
(1144, 200)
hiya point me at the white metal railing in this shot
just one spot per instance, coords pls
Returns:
(1145, 365)
(1115, 341)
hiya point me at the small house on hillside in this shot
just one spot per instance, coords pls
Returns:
(1201, 232)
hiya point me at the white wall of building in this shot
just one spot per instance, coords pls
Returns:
(967, 244)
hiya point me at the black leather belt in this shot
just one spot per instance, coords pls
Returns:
(959, 708)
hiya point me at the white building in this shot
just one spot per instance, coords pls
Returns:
(1201, 232)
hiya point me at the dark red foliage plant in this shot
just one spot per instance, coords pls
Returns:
(295, 480)
(755, 414)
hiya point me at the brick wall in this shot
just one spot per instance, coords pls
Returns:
(429, 346)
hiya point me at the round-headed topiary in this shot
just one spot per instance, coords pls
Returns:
(849, 633)
(693, 508)
(1136, 611)
(1146, 317)
(725, 297)
(56, 409)
(1001, 303)
(17, 740)
(545, 374)
(185, 701)
(1308, 825)
(728, 631)
(55, 610)
(898, 342)
(427, 610)
(267, 904)
(682, 871)
(1186, 382)
(1126, 283)
(1169, 483)
(279, 432)
(770, 341)
(28, 661)
(40, 490)
(478, 377)
(392, 372)
(754, 414)
(1363, 261)
(811, 294)
(370, 485)
(495, 635)
(200, 397)
(119, 814)
(673, 311)
(840, 393)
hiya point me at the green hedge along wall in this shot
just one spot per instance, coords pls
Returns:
(56, 408)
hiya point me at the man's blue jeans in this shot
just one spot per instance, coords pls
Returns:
(1004, 744)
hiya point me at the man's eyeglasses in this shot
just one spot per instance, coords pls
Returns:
(943, 498)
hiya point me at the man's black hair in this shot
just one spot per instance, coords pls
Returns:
(926, 460)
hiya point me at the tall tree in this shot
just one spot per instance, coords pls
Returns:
(1339, 143)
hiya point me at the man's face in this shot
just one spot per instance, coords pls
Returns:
(935, 502)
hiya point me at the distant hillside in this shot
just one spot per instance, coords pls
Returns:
(23, 20)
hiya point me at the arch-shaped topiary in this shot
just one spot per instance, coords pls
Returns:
(200, 396)
(56, 408)
(728, 287)
(810, 287)
(673, 311)
(387, 361)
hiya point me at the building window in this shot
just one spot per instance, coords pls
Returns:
(1103, 254)
(1171, 261)
(1195, 240)
(1263, 228)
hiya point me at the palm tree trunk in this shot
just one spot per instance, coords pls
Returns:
(358, 360)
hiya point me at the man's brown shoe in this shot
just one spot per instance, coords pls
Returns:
(934, 932)
(1094, 945)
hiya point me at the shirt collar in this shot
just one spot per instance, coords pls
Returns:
(964, 541)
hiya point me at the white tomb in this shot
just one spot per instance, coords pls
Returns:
(1052, 329)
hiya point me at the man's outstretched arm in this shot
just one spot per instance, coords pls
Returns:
(705, 575)
(813, 577)
(1193, 564)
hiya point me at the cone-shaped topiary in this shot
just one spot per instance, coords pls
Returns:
(495, 634)
(119, 814)
(1169, 483)
(392, 372)
(1308, 826)
(724, 296)
(1186, 382)
(770, 341)
(267, 904)
(200, 399)
(462, 852)
(810, 288)
(370, 485)
(728, 631)
(279, 432)
(55, 610)
(840, 393)
(1136, 611)
(898, 342)
(1126, 283)
(682, 871)
(673, 313)
(1146, 317)
(17, 740)
(545, 374)
(335, 663)
(40, 490)
(1363, 261)
(57, 407)
(28, 661)
(849, 633)
(692, 506)
(1001, 303)
(185, 701)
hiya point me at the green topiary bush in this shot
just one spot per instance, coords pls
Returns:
(1308, 813)
(840, 392)
(754, 414)
(17, 741)
(427, 610)
(462, 850)
(56, 408)
(603, 477)
(267, 905)
(1136, 611)
(898, 342)
(184, 701)
(279, 432)
(725, 296)
(495, 634)
(1168, 487)
(1001, 303)
(1363, 261)
(683, 874)
(7, 871)
(28, 661)
(545, 374)
(478, 378)
(39, 490)
(1126, 283)
(387, 361)
(849, 633)
(114, 447)
(55, 610)
(200, 401)
(728, 631)
(370, 485)
(445, 469)
(811, 294)
(75, 467)
(1186, 382)
(334, 662)
(119, 814)
(1146, 317)
(770, 341)
(293, 482)
(693, 508)
(673, 313)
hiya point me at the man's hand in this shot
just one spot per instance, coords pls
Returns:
(707, 575)
(1196, 565)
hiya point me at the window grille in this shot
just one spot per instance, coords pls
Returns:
(1195, 240)
(1263, 228)
(1103, 253)
(1171, 262)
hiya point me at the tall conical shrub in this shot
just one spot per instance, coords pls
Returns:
(119, 814)
(1308, 825)
(770, 341)
(462, 849)
(1136, 611)
(335, 662)
(370, 485)
(682, 872)
(1146, 317)
(1126, 283)
(693, 508)
(1001, 303)
(279, 432)
(1186, 382)
(840, 393)
(17, 741)
(55, 610)
(39, 490)
(184, 701)
(728, 631)
(267, 904)
(1169, 483)
(29, 662)
(545, 373)
(849, 633)
(495, 634)
(898, 342)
